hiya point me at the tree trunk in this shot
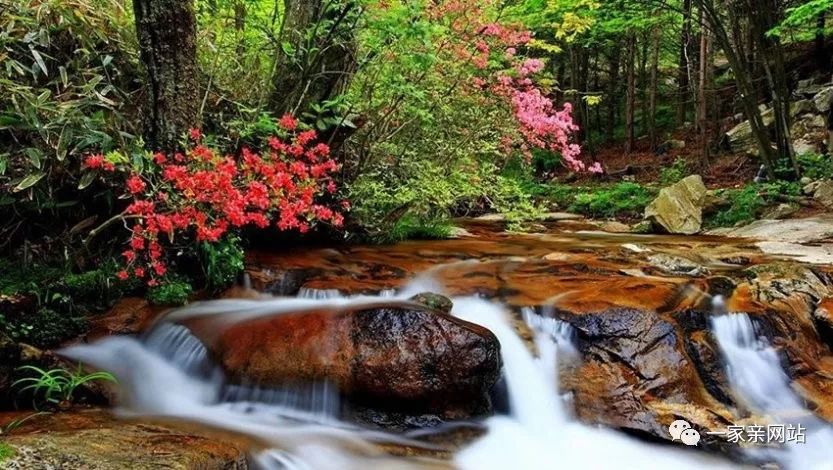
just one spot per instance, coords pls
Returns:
(652, 95)
(167, 34)
(683, 68)
(240, 26)
(317, 57)
(612, 95)
(630, 104)
(703, 94)
(745, 85)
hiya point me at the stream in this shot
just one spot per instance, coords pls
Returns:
(602, 338)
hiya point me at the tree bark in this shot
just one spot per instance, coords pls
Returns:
(654, 85)
(630, 104)
(703, 94)
(167, 34)
(683, 68)
(612, 94)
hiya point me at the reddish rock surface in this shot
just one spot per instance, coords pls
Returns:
(395, 355)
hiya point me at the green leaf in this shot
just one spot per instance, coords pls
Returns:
(64, 79)
(86, 179)
(35, 156)
(29, 181)
(39, 61)
(107, 59)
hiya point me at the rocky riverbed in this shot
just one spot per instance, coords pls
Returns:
(639, 307)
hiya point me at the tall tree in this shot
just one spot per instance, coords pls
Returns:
(683, 68)
(654, 85)
(167, 34)
(704, 87)
(630, 103)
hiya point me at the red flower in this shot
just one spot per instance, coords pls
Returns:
(135, 184)
(139, 272)
(195, 134)
(122, 275)
(159, 158)
(288, 122)
(94, 161)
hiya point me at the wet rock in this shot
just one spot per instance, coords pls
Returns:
(673, 264)
(437, 302)
(679, 207)
(129, 316)
(395, 356)
(637, 375)
(823, 315)
(92, 440)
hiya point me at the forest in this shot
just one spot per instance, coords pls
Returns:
(172, 151)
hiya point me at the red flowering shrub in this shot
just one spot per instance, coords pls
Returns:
(201, 195)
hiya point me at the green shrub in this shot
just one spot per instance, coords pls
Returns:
(622, 199)
(222, 262)
(816, 166)
(674, 173)
(6, 452)
(748, 202)
(174, 292)
(45, 328)
(410, 227)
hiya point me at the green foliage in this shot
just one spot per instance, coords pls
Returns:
(411, 227)
(222, 262)
(64, 86)
(57, 386)
(624, 199)
(747, 203)
(6, 452)
(173, 292)
(45, 328)
(674, 173)
(62, 300)
(802, 17)
(816, 166)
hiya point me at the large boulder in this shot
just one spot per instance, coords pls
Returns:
(400, 356)
(823, 193)
(740, 138)
(679, 207)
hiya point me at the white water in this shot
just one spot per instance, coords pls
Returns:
(169, 374)
(760, 383)
(538, 433)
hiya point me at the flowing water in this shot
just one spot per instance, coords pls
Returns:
(167, 372)
(755, 373)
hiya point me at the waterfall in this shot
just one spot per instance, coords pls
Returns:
(168, 373)
(538, 433)
(759, 382)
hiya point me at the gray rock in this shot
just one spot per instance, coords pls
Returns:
(824, 193)
(805, 180)
(807, 230)
(821, 102)
(679, 207)
(673, 264)
(781, 211)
